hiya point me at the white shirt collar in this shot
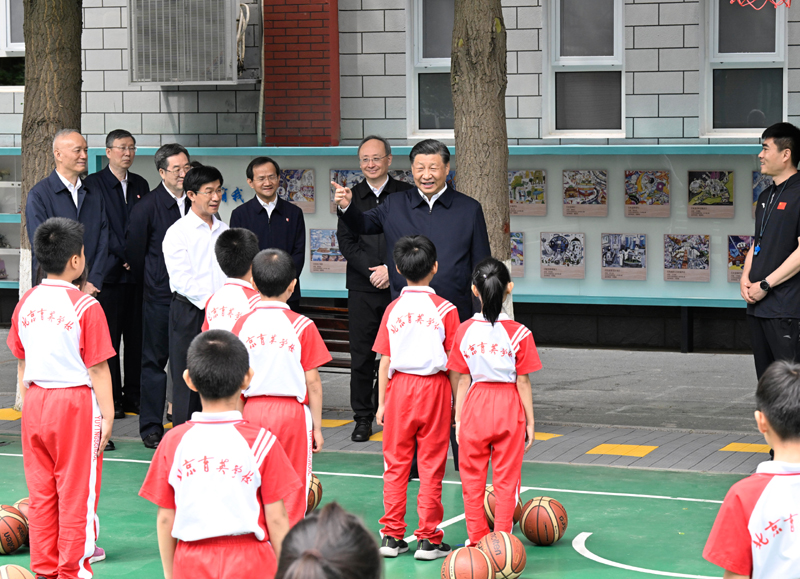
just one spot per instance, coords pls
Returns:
(268, 206)
(237, 281)
(58, 283)
(423, 289)
(434, 198)
(73, 189)
(778, 467)
(479, 317)
(229, 416)
(180, 200)
(378, 190)
(197, 222)
(272, 304)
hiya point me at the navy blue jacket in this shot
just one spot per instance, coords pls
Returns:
(118, 213)
(285, 229)
(455, 225)
(149, 221)
(50, 198)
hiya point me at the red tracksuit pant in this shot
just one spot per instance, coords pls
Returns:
(492, 426)
(418, 413)
(60, 438)
(290, 421)
(239, 556)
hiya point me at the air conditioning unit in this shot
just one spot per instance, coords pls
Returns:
(182, 42)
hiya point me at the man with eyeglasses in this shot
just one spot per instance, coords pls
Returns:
(277, 223)
(121, 297)
(149, 220)
(367, 280)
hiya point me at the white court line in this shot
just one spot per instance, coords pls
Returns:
(579, 544)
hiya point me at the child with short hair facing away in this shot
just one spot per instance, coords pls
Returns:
(60, 336)
(415, 399)
(219, 482)
(285, 351)
(235, 249)
(490, 361)
(331, 544)
(757, 530)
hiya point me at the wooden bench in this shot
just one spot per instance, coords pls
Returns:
(334, 328)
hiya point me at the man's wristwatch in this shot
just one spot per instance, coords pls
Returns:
(765, 285)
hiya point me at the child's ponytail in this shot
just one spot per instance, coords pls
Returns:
(491, 278)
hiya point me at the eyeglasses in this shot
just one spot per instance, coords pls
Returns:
(125, 149)
(185, 169)
(373, 160)
(214, 192)
(270, 178)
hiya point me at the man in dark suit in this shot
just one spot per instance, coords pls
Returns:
(277, 223)
(121, 297)
(367, 280)
(149, 221)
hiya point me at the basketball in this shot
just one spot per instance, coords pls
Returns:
(13, 529)
(22, 506)
(314, 493)
(489, 504)
(15, 572)
(467, 563)
(505, 552)
(544, 520)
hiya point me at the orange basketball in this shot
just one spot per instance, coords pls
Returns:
(13, 529)
(544, 520)
(506, 553)
(489, 502)
(15, 572)
(314, 493)
(467, 563)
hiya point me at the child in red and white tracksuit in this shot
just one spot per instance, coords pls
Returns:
(60, 336)
(415, 399)
(219, 482)
(490, 360)
(285, 351)
(235, 249)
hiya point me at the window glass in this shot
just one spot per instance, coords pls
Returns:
(588, 100)
(748, 98)
(15, 19)
(437, 28)
(587, 28)
(435, 101)
(742, 30)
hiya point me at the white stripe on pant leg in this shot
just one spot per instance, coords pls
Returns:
(89, 544)
(310, 429)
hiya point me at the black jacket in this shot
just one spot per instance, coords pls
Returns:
(118, 213)
(149, 221)
(365, 251)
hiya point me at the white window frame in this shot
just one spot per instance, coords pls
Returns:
(415, 65)
(8, 48)
(714, 60)
(553, 63)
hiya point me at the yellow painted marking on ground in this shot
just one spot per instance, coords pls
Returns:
(545, 435)
(9, 414)
(741, 447)
(131, 414)
(329, 423)
(168, 425)
(623, 449)
(377, 436)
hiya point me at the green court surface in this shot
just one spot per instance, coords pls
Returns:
(642, 523)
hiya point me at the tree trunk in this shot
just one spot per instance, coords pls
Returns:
(52, 31)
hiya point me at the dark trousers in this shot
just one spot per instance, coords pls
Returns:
(185, 322)
(122, 304)
(155, 351)
(773, 339)
(365, 313)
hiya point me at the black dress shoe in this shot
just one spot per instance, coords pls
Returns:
(130, 408)
(110, 446)
(152, 440)
(118, 413)
(362, 431)
(169, 417)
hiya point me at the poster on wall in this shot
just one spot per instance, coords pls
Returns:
(526, 193)
(325, 254)
(585, 193)
(563, 255)
(738, 248)
(711, 194)
(346, 178)
(624, 256)
(760, 184)
(646, 193)
(517, 254)
(297, 187)
(687, 257)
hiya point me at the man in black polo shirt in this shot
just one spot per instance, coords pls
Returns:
(770, 283)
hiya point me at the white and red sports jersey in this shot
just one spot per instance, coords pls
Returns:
(229, 303)
(218, 471)
(494, 353)
(757, 530)
(283, 346)
(60, 332)
(416, 331)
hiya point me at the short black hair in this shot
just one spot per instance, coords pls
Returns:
(118, 134)
(199, 176)
(166, 151)
(55, 242)
(415, 256)
(235, 249)
(430, 147)
(785, 136)
(387, 148)
(273, 271)
(217, 362)
(257, 162)
(778, 398)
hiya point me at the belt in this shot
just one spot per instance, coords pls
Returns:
(182, 298)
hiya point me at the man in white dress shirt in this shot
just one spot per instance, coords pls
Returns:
(194, 276)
